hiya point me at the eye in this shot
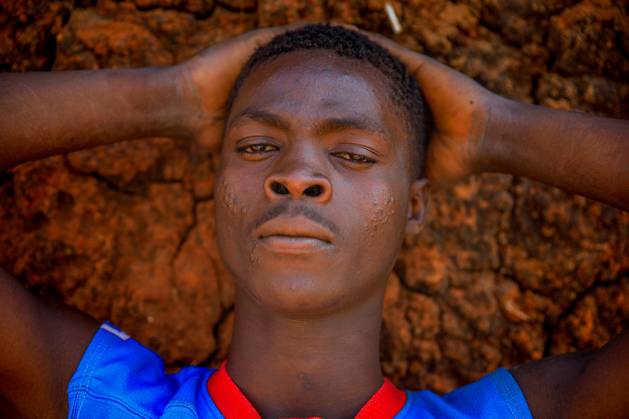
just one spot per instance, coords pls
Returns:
(353, 157)
(256, 148)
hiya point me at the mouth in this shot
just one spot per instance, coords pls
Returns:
(293, 244)
(294, 235)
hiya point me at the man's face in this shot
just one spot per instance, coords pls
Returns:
(312, 195)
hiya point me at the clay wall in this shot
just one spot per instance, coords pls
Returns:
(507, 270)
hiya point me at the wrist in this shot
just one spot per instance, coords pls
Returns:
(188, 103)
(168, 109)
(496, 143)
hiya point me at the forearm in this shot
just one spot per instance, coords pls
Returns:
(576, 152)
(43, 114)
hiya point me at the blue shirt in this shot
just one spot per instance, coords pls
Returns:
(119, 378)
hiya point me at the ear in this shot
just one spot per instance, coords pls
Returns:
(417, 206)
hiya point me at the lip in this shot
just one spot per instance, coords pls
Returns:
(294, 235)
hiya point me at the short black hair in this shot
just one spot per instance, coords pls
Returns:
(405, 90)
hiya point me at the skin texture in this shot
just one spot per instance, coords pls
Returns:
(307, 305)
(60, 112)
(324, 311)
(309, 144)
(477, 131)
(50, 113)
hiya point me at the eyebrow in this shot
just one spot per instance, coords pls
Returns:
(330, 125)
(261, 116)
(358, 122)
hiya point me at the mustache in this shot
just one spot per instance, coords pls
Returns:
(284, 208)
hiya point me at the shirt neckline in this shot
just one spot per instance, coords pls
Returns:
(233, 404)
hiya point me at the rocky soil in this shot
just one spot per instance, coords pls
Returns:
(507, 270)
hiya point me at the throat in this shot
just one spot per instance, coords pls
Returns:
(326, 367)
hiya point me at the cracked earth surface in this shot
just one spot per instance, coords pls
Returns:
(505, 271)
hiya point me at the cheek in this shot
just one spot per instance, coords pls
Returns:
(378, 218)
(385, 211)
(235, 205)
(381, 210)
(230, 214)
(227, 198)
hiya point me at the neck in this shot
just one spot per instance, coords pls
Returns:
(327, 366)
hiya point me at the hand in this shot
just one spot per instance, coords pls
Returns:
(206, 81)
(461, 109)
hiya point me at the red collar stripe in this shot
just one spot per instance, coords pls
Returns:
(385, 403)
(233, 404)
(228, 397)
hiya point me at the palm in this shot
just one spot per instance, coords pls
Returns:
(461, 110)
(209, 77)
(444, 164)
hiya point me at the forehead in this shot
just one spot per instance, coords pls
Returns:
(317, 83)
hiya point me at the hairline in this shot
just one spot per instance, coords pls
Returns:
(387, 83)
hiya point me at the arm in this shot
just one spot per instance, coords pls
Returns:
(42, 114)
(41, 347)
(51, 113)
(576, 152)
(582, 385)
(477, 131)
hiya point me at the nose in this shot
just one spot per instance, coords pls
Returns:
(299, 183)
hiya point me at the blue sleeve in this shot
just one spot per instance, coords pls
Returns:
(495, 396)
(117, 377)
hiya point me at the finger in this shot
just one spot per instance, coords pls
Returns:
(347, 26)
(420, 65)
(264, 35)
(413, 60)
(408, 56)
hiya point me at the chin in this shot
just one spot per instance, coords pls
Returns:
(297, 294)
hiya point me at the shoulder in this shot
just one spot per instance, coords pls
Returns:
(118, 377)
(496, 395)
(40, 347)
(579, 385)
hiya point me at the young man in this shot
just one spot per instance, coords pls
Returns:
(323, 164)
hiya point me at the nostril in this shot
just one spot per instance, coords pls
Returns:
(313, 191)
(279, 189)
